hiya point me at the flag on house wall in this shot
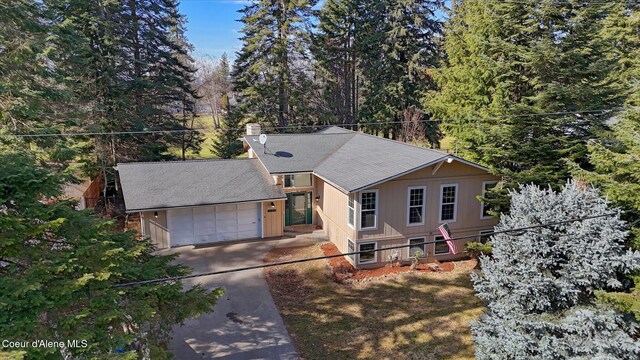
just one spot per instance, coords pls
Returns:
(446, 233)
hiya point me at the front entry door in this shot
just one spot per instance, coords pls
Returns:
(297, 209)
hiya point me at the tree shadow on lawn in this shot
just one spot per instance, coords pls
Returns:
(409, 316)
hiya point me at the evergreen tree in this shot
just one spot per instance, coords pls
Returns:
(226, 144)
(614, 160)
(131, 71)
(34, 95)
(58, 268)
(271, 70)
(540, 284)
(337, 53)
(616, 170)
(398, 47)
(510, 58)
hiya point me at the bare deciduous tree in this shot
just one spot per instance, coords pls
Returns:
(213, 84)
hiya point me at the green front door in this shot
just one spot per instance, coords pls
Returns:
(297, 209)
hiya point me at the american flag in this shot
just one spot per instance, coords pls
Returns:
(446, 233)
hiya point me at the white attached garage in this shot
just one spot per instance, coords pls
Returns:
(215, 223)
(203, 201)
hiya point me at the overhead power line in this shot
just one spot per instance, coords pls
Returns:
(293, 127)
(515, 231)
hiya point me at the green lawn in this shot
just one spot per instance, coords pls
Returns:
(407, 316)
(447, 143)
(204, 122)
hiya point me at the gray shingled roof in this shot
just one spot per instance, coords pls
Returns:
(168, 184)
(291, 153)
(349, 160)
(365, 160)
(333, 130)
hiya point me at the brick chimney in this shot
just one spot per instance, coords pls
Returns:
(253, 129)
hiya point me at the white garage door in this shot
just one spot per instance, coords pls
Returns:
(207, 224)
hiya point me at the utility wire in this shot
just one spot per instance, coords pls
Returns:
(143, 132)
(514, 232)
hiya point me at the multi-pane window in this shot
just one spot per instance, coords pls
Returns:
(441, 246)
(448, 194)
(301, 180)
(417, 245)
(486, 186)
(351, 248)
(416, 205)
(351, 210)
(368, 209)
(369, 255)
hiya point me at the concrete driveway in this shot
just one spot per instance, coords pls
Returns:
(245, 323)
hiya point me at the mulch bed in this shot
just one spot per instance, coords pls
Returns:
(343, 271)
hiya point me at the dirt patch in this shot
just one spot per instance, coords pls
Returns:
(343, 271)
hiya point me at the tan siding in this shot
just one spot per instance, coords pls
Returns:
(155, 229)
(331, 214)
(273, 222)
(403, 253)
(392, 225)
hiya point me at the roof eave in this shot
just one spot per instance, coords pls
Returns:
(443, 158)
(128, 211)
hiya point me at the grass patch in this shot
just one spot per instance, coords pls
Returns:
(447, 143)
(205, 123)
(408, 316)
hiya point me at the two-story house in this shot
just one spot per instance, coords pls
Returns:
(366, 193)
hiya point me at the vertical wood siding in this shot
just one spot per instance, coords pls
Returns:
(273, 222)
(331, 214)
(392, 226)
(155, 229)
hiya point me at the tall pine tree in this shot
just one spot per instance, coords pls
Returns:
(398, 49)
(271, 70)
(337, 53)
(34, 93)
(614, 160)
(511, 58)
(131, 71)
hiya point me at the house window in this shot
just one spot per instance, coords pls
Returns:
(448, 202)
(441, 246)
(368, 209)
(416, 205)
(486, 186)
(485, 236)
(369, 256)
(351, 248)
(415, 245)
(351, 210)
(301, 180)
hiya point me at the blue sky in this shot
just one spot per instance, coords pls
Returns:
(212, 27)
